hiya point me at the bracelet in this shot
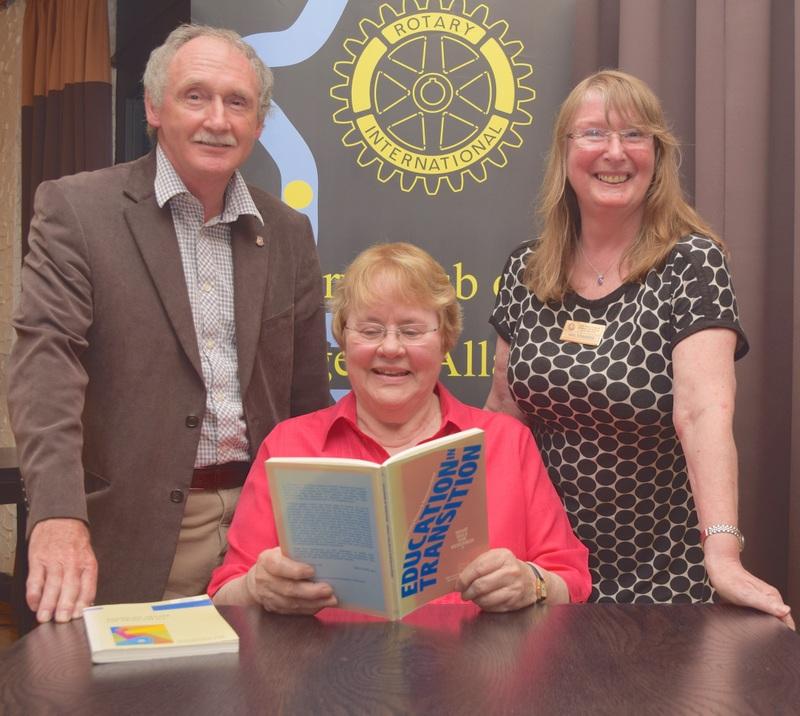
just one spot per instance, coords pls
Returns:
(539, 584)
(724, 529)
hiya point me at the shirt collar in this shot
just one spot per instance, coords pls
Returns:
(455, 415)
(238, 200)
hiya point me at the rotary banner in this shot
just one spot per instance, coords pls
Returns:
(410, 120)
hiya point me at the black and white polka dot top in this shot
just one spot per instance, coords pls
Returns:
(602, 416)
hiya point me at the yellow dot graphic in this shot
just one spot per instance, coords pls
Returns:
(298, 194)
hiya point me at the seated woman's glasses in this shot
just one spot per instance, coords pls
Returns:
(375, 333)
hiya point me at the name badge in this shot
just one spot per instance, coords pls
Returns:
(590, 334)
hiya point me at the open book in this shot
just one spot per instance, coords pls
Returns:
(154, 630)
(388, 538)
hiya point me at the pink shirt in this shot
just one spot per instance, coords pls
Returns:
(524, 512)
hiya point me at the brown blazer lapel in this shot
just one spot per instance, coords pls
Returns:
(154, 234)
(250, 264)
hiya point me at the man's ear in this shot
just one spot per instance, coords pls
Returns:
(151, 111)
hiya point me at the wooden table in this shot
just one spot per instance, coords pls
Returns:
(577, 659)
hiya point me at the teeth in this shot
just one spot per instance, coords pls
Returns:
(613, 178)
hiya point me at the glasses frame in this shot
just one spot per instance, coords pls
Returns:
(605, 135)
(398, 332)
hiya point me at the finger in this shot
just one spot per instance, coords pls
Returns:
(292, 604)
(759, 595)
(280, 594)
(34, 586)
(88, 590)
(483, 565)
(775, 606)
(309, 606)
(767, 599)
(485, 585)
(302, 590)
(280, 565)
(70, 586)
(50, 593)
(504, 575)
(789, 621)
(502, 600)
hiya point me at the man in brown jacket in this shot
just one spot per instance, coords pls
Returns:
(170, 316)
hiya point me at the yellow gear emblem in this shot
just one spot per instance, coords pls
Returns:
(432, 92)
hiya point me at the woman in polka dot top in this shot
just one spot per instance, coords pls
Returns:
(617, 332)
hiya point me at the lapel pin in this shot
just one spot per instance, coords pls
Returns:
(259, 240)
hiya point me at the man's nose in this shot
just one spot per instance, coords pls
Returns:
(216, 118)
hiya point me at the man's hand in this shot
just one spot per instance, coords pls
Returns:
(281, 585)
(63, 569)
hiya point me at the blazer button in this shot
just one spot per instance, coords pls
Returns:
(176, 496)
(192, 421)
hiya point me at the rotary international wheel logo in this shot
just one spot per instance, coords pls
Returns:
(431, 93)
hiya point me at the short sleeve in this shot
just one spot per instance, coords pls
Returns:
(511, 294)
(702, 292)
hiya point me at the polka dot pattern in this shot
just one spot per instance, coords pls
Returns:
(602, 416)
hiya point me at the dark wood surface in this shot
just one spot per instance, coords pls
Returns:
(576, 659)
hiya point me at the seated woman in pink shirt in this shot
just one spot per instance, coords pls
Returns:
(395, 316)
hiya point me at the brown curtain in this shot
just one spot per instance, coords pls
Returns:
(66, 93)
(727, 72)
(793, 159)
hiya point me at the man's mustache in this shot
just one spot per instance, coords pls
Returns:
(223, 140)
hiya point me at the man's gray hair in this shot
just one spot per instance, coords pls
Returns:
(155, 74)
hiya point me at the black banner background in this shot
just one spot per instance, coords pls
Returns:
(470, 231)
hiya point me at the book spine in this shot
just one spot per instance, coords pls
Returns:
(390, 588)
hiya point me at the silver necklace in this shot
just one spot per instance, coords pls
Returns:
(599, 275)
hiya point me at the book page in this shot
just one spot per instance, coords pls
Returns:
(329, 518)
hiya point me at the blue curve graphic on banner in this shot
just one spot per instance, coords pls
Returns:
(286, 146)
(279, 137)
(308, 33)
(294, 159)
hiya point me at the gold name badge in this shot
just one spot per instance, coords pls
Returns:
(590, 334)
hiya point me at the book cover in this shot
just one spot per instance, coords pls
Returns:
(388, 538)
(153, 630)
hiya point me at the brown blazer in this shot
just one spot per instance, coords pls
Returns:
(105, 383)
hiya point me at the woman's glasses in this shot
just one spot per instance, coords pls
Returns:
(375, 333)
(598, 137)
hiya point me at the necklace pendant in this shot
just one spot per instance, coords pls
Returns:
(600, 279)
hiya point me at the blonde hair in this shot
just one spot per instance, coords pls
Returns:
(667, 215)
(414, 276)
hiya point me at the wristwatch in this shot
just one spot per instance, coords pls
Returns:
(724, 529)
(540, 586)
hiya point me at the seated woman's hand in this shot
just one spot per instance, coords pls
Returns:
(281, 585)
(498, 582)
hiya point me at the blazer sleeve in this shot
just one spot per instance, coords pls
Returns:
(310, 390)
(47, 380)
